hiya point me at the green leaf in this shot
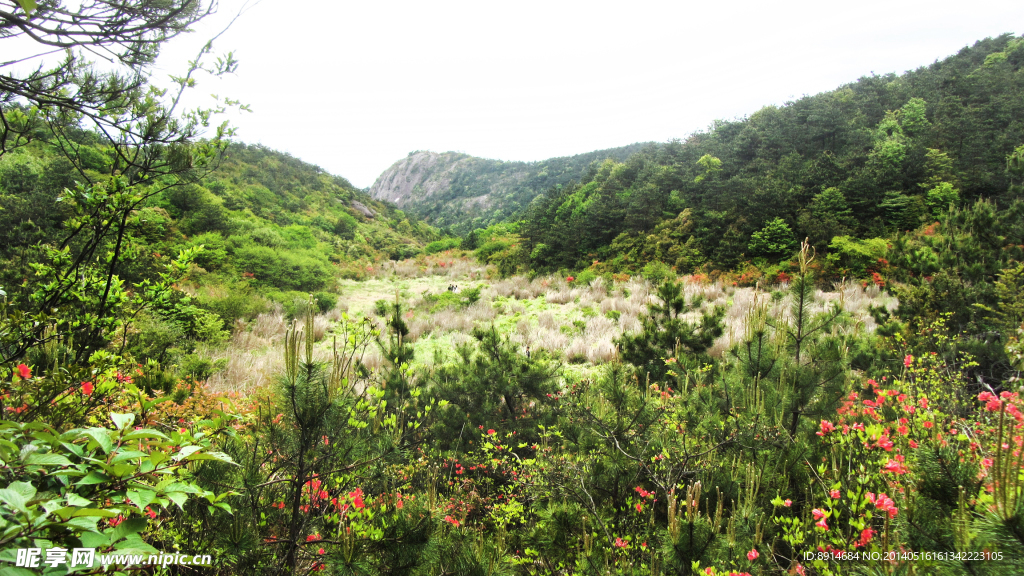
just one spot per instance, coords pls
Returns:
(141, 498)
(87, 512)
(26, 490)
(84, 523)
(145, 433)
(93, 539)
(220, 456)
(178, 498)
(13, 499)
(127, 528)
(102, 437)
(29, 6)
(76, 500)
(47, 460)
(128, 455)
(94, 477)
(122, 420)
(186, 452)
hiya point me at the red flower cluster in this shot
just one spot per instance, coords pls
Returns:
(883, 503)
(826, 427)
(643, 493)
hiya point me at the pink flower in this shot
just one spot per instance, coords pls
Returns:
(908, 360)
(752, 555)
(826, 427)
(87, 388)
(320, 551)
(818, 513)
(620, 543)
(24, 371)
(895, 467)
(490, 432)
(788, 503)
(821, 524)
(834, 494)
(451, 521)
(800, 570)
(865, 536)
(928, 424)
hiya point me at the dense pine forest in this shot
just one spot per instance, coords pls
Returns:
(789, 344)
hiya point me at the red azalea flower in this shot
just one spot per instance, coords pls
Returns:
(24, 371)
(826, 427)
(451, 521)
(752, 555)
(908, 360)
(87, 388)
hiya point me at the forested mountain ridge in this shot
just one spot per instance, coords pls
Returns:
(462, 192)
(880, 155)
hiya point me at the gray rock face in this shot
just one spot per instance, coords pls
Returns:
(463, 192)
(417, 177)
(363, 209)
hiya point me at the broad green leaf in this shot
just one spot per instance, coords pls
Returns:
(127, 528)
(94, 477)
(186, 452)
(128, 455)
(178, 498)
(102, 437)
(26, 490)
(76, 500)
(145, 433)
(222, 457)
(37, 459)
(94, 512)
(13, 499)
(141, 498)
(122, 420)
(93, 539)
(84, 523)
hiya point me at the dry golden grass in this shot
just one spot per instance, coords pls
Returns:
(538, 313)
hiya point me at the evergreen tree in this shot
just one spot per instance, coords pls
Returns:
(667, 334)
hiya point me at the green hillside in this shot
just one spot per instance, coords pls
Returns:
(879, 155)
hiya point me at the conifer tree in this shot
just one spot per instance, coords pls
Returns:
(666, 333)
(817, 364)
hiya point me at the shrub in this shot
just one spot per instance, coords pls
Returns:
(442, 245)
(657, 272)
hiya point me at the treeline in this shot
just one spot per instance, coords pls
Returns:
(882, 155)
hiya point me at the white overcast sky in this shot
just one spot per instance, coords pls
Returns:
(355, 86)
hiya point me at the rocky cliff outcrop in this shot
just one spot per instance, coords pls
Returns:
(463, 192)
